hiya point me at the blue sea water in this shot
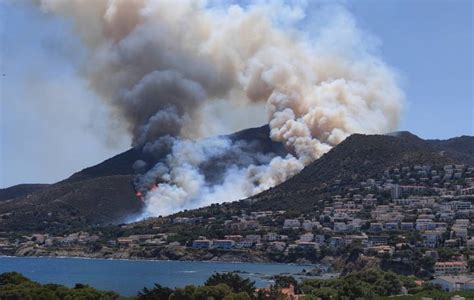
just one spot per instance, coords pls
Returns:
(127, 277)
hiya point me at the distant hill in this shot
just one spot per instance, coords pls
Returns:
(20, 190)
(122, 163)
(101, 194)
(69, 205)
(360, 157)
(461, 148)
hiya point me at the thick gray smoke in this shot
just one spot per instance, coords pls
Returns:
(178, 71)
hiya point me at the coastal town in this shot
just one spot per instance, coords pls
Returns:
(411, 220)
(237, 150)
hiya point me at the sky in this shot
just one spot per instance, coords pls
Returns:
(52, 124)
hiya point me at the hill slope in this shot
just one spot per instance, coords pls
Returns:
(70, 205)
(104, 193)
(20, 190)
(101, 194)
(358, 158)
(460, 148)
(122, 163)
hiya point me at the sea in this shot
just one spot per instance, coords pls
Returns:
(128, 277)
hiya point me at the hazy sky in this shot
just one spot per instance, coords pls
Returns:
(52, 125)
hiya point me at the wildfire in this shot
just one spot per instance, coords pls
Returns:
(141, 195)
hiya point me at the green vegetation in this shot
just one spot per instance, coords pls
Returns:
(368, 284)
(14, 286)
(365, 284)
(233, 280)
(435, 294)
(225, 286)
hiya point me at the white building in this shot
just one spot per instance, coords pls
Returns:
(307, 237)
(470, 244)
(391, 226)
(292, 223)
(272, 236)
(431, 238)
(424, 224)
(396, 191)
(223, 244)
(455, 283)
(307, 245)
(244, 244)
(309, 225)
(256, 238)
(460, 205)
(319, 238)
(407, 226)
(202, 244)
(376, 226)
(341, 227)
(460, 232)
(450, 267)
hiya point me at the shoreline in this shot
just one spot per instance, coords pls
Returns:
(170, 273)
(155, 260)
(306, 271)
(168, 253)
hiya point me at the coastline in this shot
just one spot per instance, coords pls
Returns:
(128, 276)
(167, 253)
(133, 259)
(309, 270)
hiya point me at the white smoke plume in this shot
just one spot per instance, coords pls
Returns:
(166, 67)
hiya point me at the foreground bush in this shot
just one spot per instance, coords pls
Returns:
(14, 286)
(368, 284)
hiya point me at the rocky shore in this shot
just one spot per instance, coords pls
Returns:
(178, 253)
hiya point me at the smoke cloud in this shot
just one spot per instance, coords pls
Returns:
(166, 67)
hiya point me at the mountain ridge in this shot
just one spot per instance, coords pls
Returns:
(104, 193)
(94, 186)
(359, 157)
(19, 190)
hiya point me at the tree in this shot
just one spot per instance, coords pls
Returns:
(14, 286)
(427, 263)
(158, 292)
(270, 294)
(351, 288)
(185, 293)
(233, 280)
(239, 296)
(445, 253)
(13, 278)
(470, 264)
(325, 293)
(310, 297)
(216, 292)
(388, 285)
(60, 290)
(282, 281)
(86, 293)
